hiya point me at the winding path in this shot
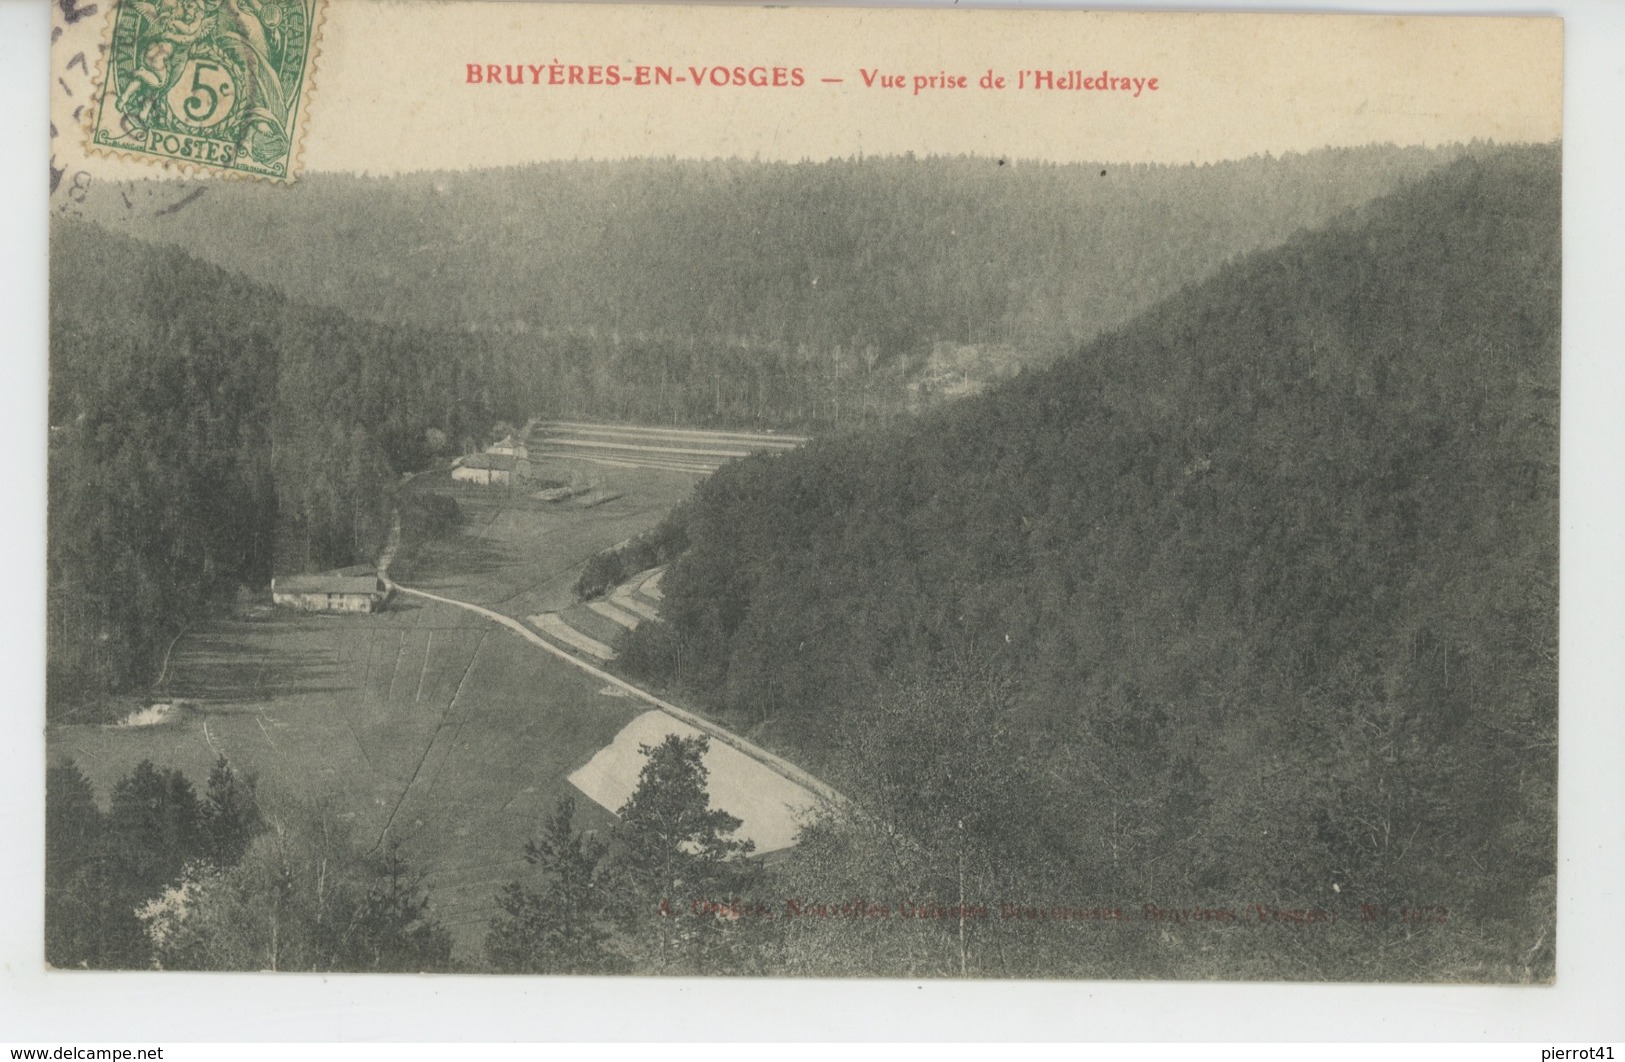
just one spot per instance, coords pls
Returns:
(777, 764)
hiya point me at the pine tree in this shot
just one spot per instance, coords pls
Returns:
(672, 840)
(230, 814)
(391, 928)
(563, 926)
(673, 850)
(156, 824)
(87, 921)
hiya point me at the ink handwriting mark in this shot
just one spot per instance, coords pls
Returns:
(190, 198)
(73, 12)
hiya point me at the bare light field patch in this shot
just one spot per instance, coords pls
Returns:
(633, 597)
(594, 625)
(771, 806)
(566, 634)
(615, 615)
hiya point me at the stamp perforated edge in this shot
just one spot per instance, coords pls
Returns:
(180, 167)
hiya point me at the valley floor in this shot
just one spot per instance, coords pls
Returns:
(429, 723)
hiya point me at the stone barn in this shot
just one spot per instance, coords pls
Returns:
(344, 590)
(491, 470)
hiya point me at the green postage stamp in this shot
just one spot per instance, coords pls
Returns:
(217, 84)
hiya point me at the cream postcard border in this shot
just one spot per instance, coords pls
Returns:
(110, 1007)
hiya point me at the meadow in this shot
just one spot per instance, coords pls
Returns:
(422, 723)
(520, 555)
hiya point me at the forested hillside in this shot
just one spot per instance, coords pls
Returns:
(206, 431)
(1252, 601)
(207, 420)
(731, 292)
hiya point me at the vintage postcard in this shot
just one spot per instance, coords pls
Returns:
(802, 492)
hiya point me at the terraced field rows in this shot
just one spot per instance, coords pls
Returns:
(668, 449)
(591, 628)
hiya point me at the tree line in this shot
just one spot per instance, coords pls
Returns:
(889, 885)
(207, 434)
(243, 879)
(230, 880)
(723, 292)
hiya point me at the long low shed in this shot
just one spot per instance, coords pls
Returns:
(329, 592)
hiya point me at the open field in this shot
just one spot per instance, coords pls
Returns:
(768, 793)
(423, 721)
(431, 724)
(520, 555)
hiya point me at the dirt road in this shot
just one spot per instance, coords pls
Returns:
(777, 764)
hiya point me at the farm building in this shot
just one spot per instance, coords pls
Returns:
(508, 446)
(344, 590)
(491, 470)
